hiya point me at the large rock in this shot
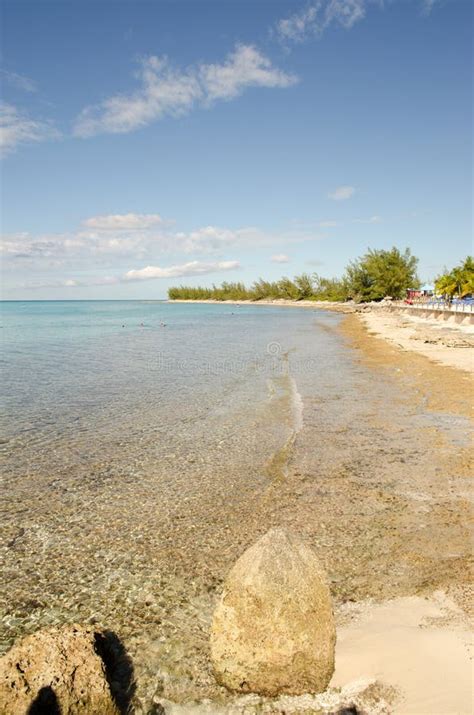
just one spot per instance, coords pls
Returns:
(71, 670)
(273, 629)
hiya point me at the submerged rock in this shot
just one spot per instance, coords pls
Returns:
(70, 670)
(273, 629)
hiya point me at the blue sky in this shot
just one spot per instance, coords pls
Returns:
(147, 144)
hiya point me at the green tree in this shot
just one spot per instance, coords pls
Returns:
(287, 289)
(332, 289)
(457, 282)
(304, 286)
(381, 273)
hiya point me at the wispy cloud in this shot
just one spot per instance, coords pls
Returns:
(17, 128)
(106, 247)
(123, 222)
(315, 18)
(245, 67)
(280, 258)
(106, 240)
(209, 239)
(110, 243)
(167, 91)
(372, 219)
(18, 81)
(341, 193)
(143, 236)
(329, 224)
(428, 5)
(193, 268)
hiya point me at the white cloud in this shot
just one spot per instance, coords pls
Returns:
(372, 219)
(192, 268)
(345, 12)
(71, 246)
(143, 236)
(166, 91)
(17, 128)
(106, 241)
(107, 245)
(122, 222)
(341, 193)
(317, 16)
(314, 19)
(214, 238)
(427, 6)
(245, 67)
(24, 245)
(18, 81)
(297, 26)
(280, 258)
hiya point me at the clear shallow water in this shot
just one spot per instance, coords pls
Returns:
(141, 460)
(88, 375)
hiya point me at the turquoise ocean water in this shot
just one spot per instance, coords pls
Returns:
(143, 445)
(87, 379)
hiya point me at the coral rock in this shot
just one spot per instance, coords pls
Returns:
(273, 630)
(70, 670)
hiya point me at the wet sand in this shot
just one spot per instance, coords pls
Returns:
(377, 480)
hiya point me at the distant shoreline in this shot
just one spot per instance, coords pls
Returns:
(279, 302)
(450, 344)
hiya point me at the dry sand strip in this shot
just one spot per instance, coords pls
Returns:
(452, 346)
(420, 646)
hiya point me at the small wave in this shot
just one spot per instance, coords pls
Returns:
(297, 406)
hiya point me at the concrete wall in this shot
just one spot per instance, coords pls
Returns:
(455, 314)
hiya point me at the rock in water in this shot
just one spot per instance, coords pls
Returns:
(65, 671)
(273, 629)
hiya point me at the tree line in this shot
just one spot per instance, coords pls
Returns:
(459, 282)
(373, 276)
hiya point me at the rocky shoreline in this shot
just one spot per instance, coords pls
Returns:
(273, 637)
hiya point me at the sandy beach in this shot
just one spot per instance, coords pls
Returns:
(446, 344)
(420, 641)
(376, 477)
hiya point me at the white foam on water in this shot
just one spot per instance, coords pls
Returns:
(297, 406)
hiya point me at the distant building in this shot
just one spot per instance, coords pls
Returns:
(425, 291)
